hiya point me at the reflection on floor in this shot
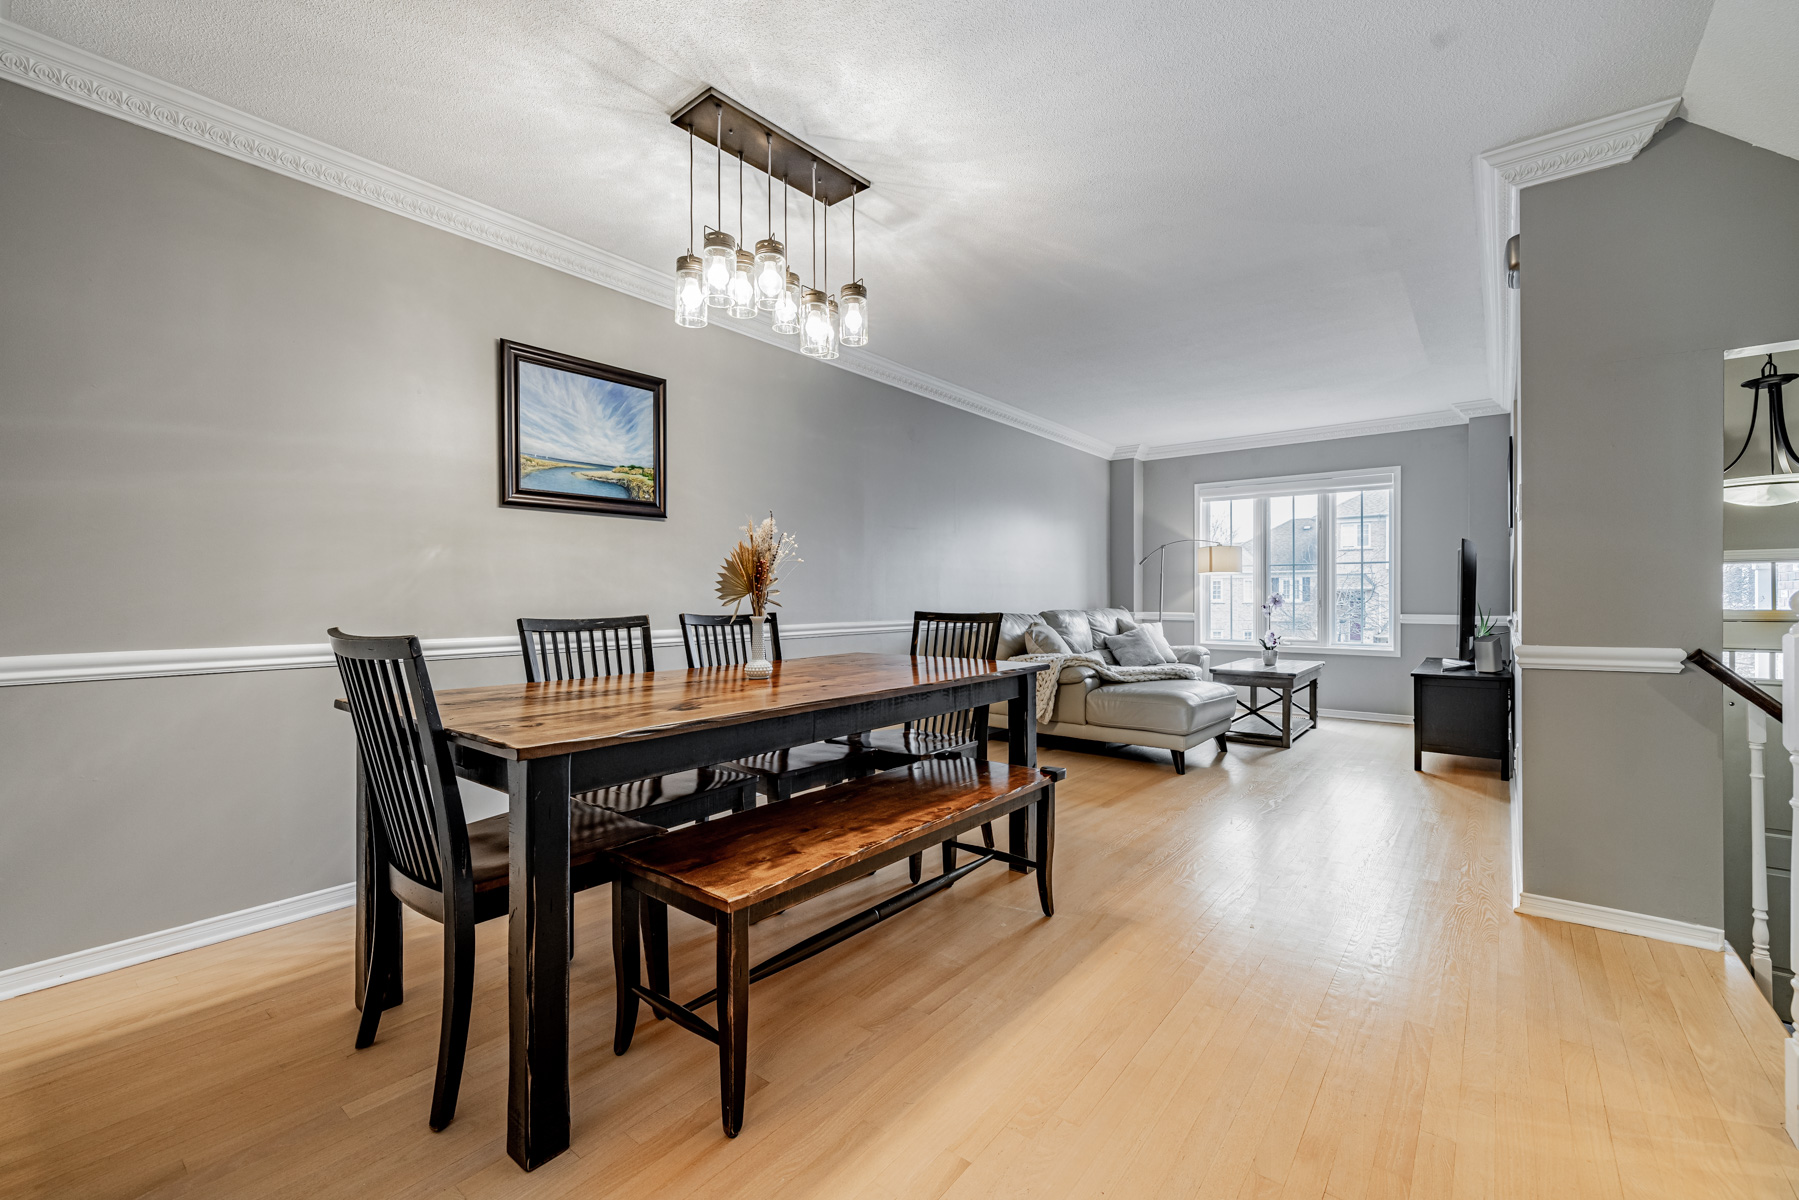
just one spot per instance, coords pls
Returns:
(1288, 973)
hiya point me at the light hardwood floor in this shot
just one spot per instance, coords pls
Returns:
(1289, 974)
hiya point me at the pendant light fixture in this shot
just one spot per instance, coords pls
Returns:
(816, 339)
(787, 304)
(743, 291)
(727, 275)
(690, 293)
(854, 295)
(718, 258)
(1781, 484)
(771, 256)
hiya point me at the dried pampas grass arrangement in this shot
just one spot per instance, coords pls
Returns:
(753, 567)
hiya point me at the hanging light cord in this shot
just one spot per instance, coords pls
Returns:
(852, 237)
(718, 166)
(740, 197)
(827, 240)
(690, 193)
(771, 186)
(815, 226)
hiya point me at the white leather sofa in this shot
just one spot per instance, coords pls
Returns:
(1174, 714)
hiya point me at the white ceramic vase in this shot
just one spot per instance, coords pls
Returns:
(758, 667)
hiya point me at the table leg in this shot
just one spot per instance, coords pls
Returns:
(1286, 718)
(537, 1108)
(1314, 713)
(1021, 751)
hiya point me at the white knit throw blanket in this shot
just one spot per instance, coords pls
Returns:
(1047, 681)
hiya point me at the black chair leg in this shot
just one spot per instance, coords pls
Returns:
(1180, 761)
(626, 970)
(1224, 746)
(452, 1046)
(653, 916)
(949, 857)
(375, 985)
(1046, 849)
(915, 867)
(987, 835)
(733, 1016)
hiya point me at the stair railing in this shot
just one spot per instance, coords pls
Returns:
(1761, 706)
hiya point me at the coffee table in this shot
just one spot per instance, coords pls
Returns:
(1284, 678)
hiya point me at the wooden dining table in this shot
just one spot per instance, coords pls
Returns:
(541, 743)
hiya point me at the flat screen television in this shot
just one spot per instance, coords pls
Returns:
(1464, 602)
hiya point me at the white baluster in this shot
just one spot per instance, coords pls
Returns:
(1789, 736)
(1759, 960)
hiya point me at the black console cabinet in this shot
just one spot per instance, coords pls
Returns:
(1461, 712)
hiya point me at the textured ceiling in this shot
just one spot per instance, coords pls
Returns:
(1151, 222)
(1742, 78)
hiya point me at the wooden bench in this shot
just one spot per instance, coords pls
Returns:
(737, 869)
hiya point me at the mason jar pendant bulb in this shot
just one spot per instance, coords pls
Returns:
(743, 292)
(770, 274)
(690, 293)
(787, 306)
(855, 314)
(815, 325)
(835, 323)
(719, 263)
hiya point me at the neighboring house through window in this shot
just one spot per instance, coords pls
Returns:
(1327, 545)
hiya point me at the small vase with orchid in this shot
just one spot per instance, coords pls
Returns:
(1271, 640)
(750, 573)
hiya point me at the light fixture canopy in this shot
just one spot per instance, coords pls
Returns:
(690, 293)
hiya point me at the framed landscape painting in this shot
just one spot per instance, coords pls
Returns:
(580, 436)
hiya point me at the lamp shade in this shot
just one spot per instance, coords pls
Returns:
(1762, 491)
(1218, 560)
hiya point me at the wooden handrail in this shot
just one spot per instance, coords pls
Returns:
(1712, 666)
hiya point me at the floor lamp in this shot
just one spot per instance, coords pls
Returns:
(1210, 558)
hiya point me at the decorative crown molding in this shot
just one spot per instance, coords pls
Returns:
(1293, 437)
(74, 74)
(1498, 177)
(1470, 409)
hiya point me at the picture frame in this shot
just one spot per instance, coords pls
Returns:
(575, 434)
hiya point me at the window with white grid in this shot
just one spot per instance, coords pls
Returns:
(1326, 545)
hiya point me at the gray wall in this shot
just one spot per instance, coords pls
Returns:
(1452, 485)
(236, 409)
(1636, 279)
(1125, 532)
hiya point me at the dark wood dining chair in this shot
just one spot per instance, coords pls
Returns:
(945, 635)
(959, 733)
(716, 640)
(425, 853)
(596, 647)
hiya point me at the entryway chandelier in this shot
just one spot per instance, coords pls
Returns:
(745, 285)
(1781, 484)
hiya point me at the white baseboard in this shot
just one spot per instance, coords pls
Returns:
(1350, 714)
(1661, 929)
(33, 977)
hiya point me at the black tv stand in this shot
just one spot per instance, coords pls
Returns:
(1461, 711)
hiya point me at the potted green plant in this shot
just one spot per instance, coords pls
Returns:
(1486, 644)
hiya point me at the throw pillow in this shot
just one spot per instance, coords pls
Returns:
(1135, 649)
(1154, 630)
(1041, 639)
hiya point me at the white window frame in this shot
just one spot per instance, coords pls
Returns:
(1287, 485)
